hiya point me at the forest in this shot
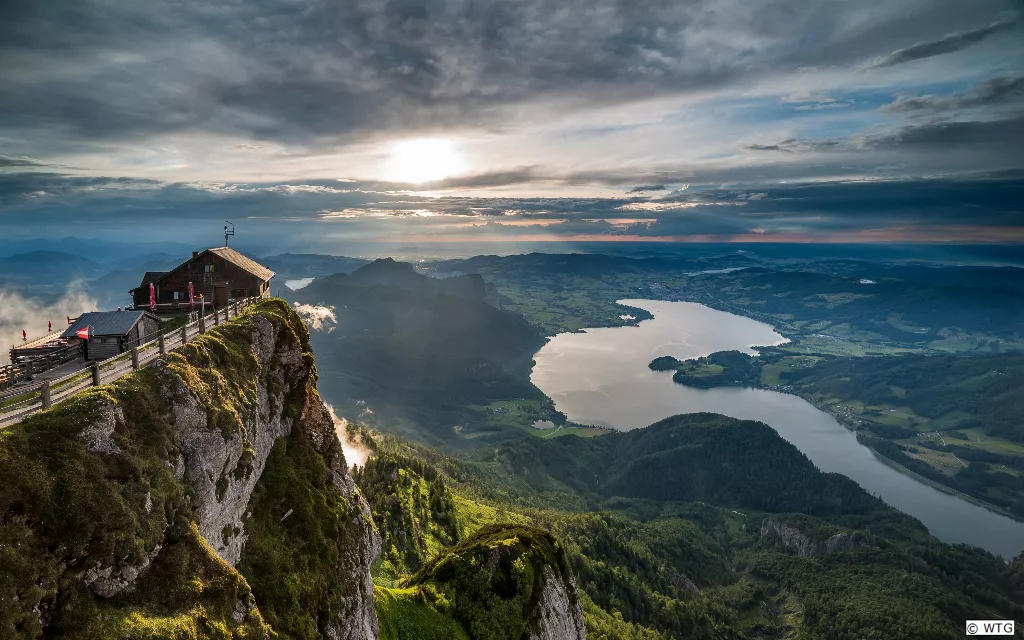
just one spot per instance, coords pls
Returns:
(667, 560)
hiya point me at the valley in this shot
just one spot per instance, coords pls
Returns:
(525, 411)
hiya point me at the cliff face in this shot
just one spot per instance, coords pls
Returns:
(558, 614)
(153, 501)
(507, 582)
(806, 546)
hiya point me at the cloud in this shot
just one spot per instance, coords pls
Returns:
(801, 145)
(989, 93)
(947, 44)
(336, 72)
(996, 142)
(10, 161)
(647, 187)
(319, 318)
(18, 313)
(271, 220)
(805, 96)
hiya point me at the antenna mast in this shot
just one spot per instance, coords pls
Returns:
(228, 233)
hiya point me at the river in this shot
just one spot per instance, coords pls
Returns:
(601, 377)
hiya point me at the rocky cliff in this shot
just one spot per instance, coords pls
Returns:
(808, 544)
(205, 496)
(507, 582)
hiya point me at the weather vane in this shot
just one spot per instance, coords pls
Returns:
(228, 233)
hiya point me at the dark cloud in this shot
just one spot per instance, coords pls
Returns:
(947, 44)
(643, 188)
(321, 71)
(11, 161)
(995, 138)
(312, 215)
(943, 145)
(800, 145)
(989, 93)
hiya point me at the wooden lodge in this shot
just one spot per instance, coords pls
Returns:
(113, 332)
(219, 277)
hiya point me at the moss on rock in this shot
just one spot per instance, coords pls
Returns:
(300, 532)
(98, 529)
(410, 614)
(493, 581)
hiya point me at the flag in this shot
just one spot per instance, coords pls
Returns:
(191, 294)
(69, 320)
(24, 336)
(152, 297)
(49, 327)
(83, 333)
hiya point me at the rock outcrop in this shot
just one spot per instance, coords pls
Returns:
(502, 569)
(142, 492)
(806, 546)
(558, 614)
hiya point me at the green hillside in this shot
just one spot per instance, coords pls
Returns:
(661, 561)
(424, 355)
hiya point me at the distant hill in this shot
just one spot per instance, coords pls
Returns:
(693, 457)
(46, 267)
(418, 350)
(95, 249)
(306, 265)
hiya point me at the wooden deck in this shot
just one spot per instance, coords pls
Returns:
(22, 400)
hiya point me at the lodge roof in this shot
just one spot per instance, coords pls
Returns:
(243, 262)
(152, 276)
(107, 323)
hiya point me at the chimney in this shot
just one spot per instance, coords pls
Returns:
(195, 254)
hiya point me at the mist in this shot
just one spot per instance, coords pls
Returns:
(317, 317)
(18, 312)
(355, 452)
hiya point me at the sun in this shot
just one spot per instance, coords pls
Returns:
(423, 160)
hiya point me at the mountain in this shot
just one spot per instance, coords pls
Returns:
(305, 265)
(208, 496)
(47, 268)
(156, 505)
(95, 249)
(418, 351)
(699, 526)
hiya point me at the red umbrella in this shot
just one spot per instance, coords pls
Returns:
(152, 296)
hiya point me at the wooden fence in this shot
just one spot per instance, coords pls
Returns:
(20, 402)
(22, 371)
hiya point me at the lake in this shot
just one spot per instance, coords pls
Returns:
(298, 283)
(601, 377)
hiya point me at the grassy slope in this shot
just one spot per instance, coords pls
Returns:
(65, 508)
(638, 556)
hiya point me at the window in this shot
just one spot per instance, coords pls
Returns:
(208, 268)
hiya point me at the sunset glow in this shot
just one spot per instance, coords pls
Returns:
(423, 160)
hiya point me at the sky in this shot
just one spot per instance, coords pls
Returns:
(316, 122)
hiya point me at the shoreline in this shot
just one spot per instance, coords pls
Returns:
(887, 461)
(943, 488)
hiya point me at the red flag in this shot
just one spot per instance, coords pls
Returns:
(49, 327)
(69, 320)
(152, 297)
(83, 333)
(24, 336)
(191, 294)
